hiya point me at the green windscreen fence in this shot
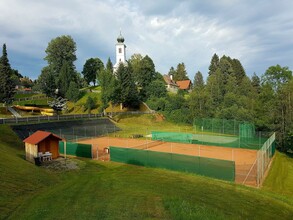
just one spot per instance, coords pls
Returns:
(172, 136)
(76, 149)
(245, 138)
(215, 168)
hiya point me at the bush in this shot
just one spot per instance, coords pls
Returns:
(90, 104)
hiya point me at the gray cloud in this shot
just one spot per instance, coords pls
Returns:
(258, 33)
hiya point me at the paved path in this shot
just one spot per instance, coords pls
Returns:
(14, 112)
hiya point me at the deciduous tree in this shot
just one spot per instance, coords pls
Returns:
(60, 50)
(277, 76)
(92, 69)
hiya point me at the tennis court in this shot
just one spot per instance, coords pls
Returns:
(245, 168)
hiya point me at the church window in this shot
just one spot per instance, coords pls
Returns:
(120, 50)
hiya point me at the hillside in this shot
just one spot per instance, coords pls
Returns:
(107, 190)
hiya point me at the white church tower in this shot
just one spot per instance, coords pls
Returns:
(120, 52)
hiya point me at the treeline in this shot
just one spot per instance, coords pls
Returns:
(229, 93)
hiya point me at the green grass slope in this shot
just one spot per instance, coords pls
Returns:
(280, 177)
(18, 178)
(106, 190)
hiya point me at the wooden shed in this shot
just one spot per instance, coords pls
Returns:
(41, 142)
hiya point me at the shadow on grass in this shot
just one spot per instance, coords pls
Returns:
(21, 156)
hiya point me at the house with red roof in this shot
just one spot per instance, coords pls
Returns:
(42, 145)
(185, 85)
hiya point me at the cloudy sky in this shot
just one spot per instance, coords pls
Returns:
(257, 32)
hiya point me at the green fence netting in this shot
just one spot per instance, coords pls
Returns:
(172, 136)
(216, 125)
(76, 149)
(247, 140)
(215, 168)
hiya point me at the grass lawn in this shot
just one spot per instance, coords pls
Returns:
(42, 102)
(280, 177)
(79, 106)
(26, 95)
(107, 190)
(4, 113)
(144, 124)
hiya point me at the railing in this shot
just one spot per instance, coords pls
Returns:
(64, 117)
(110, 114)
(47, 118)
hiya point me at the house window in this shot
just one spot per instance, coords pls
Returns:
(120, 50)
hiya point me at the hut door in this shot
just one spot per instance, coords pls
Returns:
(47, 146)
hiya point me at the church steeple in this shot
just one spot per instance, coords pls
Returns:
(120, 51)
(120, 38)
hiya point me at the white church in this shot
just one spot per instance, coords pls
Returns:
(120, 52)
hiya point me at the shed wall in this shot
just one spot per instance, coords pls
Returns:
(31, 151)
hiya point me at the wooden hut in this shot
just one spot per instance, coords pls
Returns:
(41, 144)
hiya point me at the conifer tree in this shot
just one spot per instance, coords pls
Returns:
(7, 88)
(180, 73)
(109, 65)
(214, 64)
(198, 82)
(126, 92)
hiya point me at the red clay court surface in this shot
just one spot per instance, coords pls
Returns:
(244, 158)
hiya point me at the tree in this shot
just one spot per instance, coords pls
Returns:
(108, 84)
(198, 82)
(215, 89)
(46, 82)
(283, 119)
(126, 92)
(135, 61)
(66, 76)
(180, 73)
(60, 57)
(91, 69)
(172, 72)
(73, 92)
(7, 88)
(157, 89)
(109, 65)
(146, 75)
(277, 76)
(60, 50)
(214, 64)
(255, 82)
(238, 70)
